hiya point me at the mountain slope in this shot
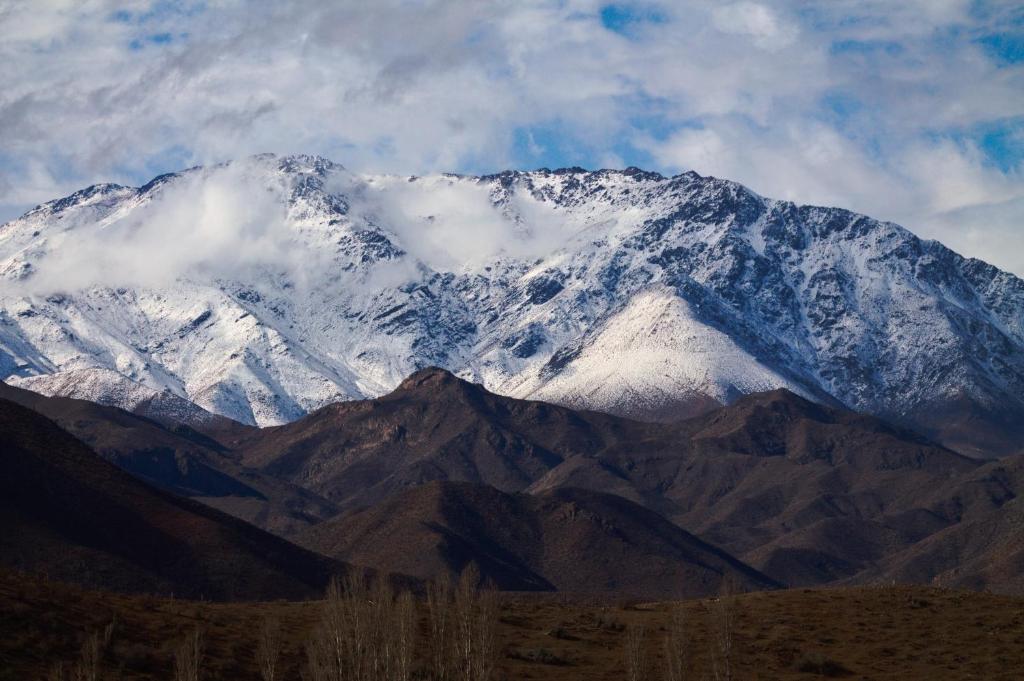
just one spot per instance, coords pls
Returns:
(805, 493)
(67, 513)
(288, 283)
(569, 540)
(179, 459)
(434, 426)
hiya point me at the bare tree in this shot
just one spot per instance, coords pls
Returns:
(332, 645)
(485, 650)
(465, 622)
(365, 634)
(474, 631)
(675, 645)
(108, 632)
(636, 658)
(723, 632)
(318, 657)
(56, 672)
(88, 667)
(403, 634)
(268, 649)
(188, 658)
(439, 612)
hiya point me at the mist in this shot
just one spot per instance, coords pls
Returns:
(205, 225)
(231, 223)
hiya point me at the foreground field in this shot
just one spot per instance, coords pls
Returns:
(864, 633)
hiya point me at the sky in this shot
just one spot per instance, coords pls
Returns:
(908, 111)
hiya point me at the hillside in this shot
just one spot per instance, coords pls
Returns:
(805, 493)
(67, 514)
(178, 458)
(567, 540)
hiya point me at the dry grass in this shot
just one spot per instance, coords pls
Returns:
(865, 633)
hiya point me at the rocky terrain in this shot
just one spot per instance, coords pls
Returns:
(264, 289)
(804, 493)
(773, 485)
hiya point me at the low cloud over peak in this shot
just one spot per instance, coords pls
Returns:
(911, 112)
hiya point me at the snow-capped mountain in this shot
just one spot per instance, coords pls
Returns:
(265, 288)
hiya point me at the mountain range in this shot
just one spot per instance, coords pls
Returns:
(265, 289)
(772, 490)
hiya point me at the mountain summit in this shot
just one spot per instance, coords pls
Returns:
(266, 288)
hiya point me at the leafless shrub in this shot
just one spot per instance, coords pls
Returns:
(608, 623)
(268, 649)
(675, 645)
(188, 657)
(820, 665)
(537, 656)
(636, 659)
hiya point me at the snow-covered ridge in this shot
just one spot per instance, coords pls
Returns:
(268, 287)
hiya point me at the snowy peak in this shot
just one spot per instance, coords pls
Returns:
(265, 288)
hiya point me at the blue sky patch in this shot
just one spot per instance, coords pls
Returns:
(1004, 48)
(867, 47)
(624, 19)
(1003, 144)
(154, 39)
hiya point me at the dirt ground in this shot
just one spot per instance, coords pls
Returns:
(897, 633)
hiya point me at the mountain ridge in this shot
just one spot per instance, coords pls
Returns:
(619, 291)
(805, 493)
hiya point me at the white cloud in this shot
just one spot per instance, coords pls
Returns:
(205, 226)
(848, 102)
(939, 189)
(757, 21)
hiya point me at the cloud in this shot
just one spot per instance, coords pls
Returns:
(755, 20)
(208, 225)
(942, 189)
(229, 223)
(447, 223)
(872, 105)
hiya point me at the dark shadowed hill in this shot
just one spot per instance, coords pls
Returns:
(69, 514)
(179, 459)
(434, 426)
(984, 549)
(806, 493)
(567, 539)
